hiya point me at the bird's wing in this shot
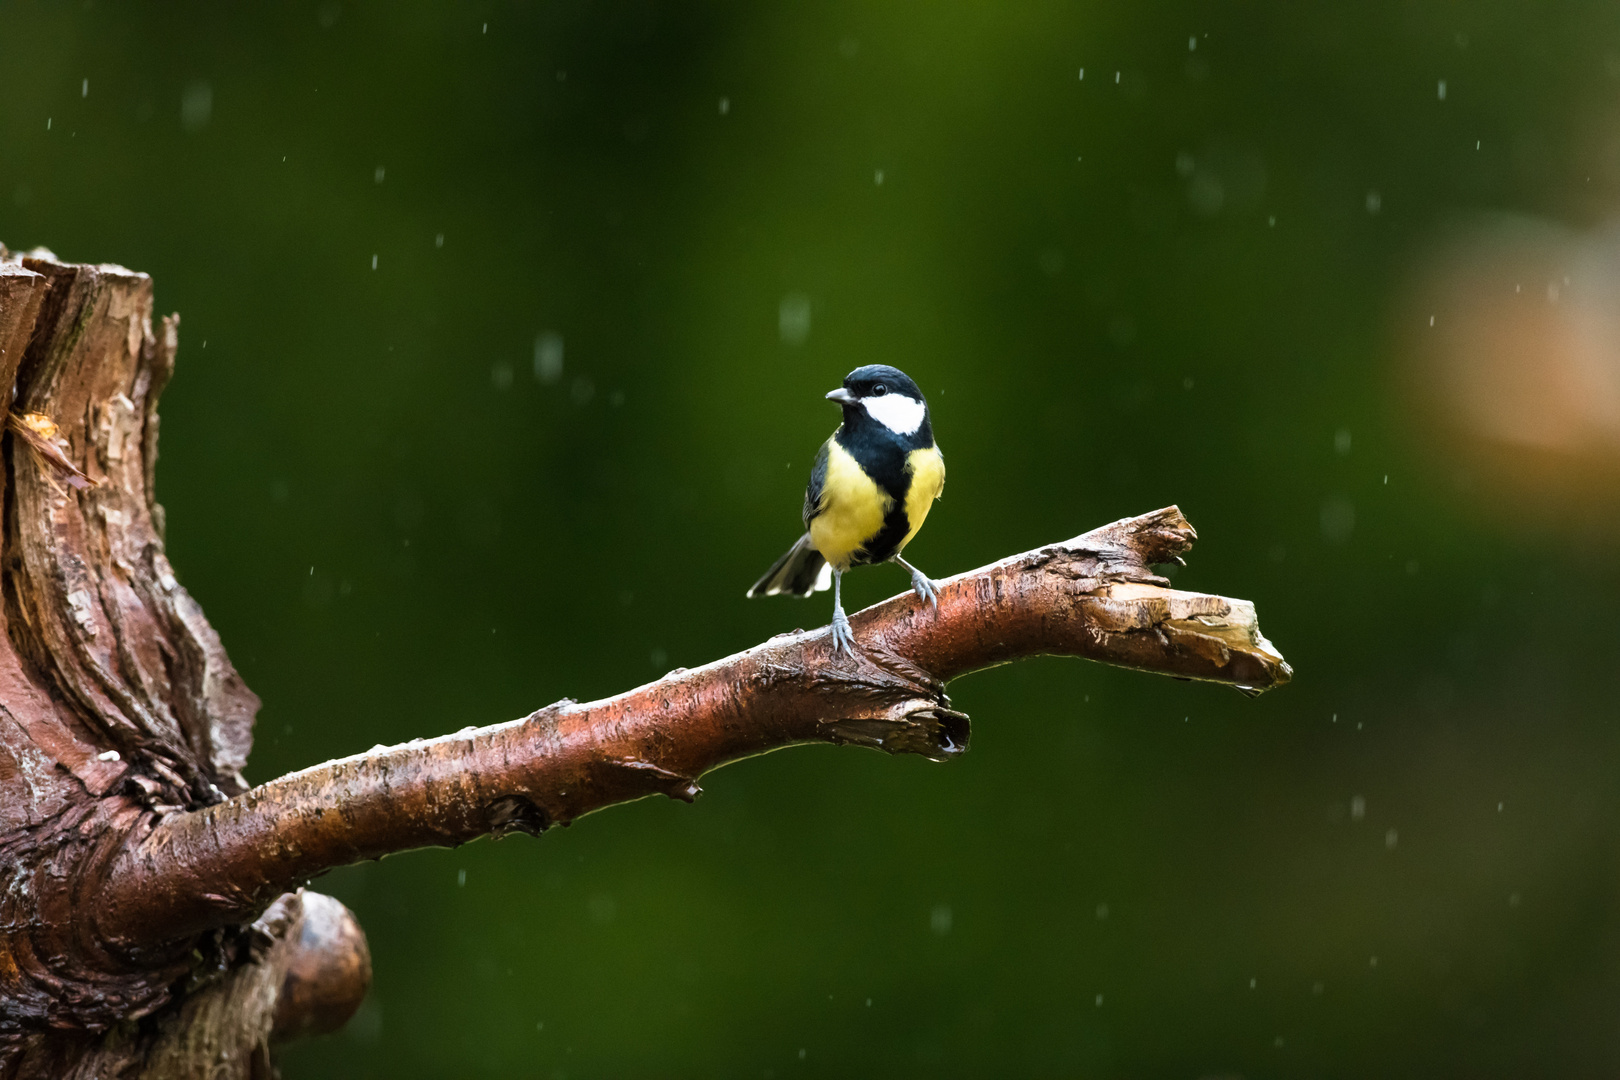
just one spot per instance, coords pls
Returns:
(812, 490)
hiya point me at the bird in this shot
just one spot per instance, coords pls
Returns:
(870, 490)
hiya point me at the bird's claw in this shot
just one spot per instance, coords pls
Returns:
(843, 638)
(926, 590)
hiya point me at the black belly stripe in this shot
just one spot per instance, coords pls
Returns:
(882, 546)
(883, 456)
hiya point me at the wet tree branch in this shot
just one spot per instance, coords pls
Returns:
(1095, 596)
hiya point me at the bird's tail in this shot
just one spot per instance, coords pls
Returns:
(800, 572)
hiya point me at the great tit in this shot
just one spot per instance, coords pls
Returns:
(870, 489)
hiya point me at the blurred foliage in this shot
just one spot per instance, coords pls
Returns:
(1171, 280)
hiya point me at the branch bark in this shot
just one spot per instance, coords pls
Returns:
(1095, 596)
(149, 923)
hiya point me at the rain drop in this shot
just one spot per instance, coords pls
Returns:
(548, 356)
(196, 106)
(793, 319)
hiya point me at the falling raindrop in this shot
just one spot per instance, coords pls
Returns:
(548, 356)
(793, 318)
(196, 106)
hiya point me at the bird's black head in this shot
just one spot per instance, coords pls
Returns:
(886, 395)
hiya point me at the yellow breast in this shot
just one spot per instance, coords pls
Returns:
(852, 509)
(927, 482)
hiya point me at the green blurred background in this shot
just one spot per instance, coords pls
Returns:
(1183, 277)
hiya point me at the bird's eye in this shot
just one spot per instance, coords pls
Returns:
(879, 390)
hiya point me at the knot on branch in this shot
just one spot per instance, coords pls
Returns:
(328, 971)
(922, 726)
(886, 702)
(56, 970)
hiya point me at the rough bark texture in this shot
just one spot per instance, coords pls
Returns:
(1095, 596)
(118, 705)
(151, 922)
(303, 969)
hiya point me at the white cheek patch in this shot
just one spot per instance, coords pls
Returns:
(898, 413)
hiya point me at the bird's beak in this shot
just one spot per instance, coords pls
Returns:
(842, 396)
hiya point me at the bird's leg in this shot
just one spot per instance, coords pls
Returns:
(843, 638)
(925, 589)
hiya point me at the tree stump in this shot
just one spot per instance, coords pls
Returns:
(118, 707)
